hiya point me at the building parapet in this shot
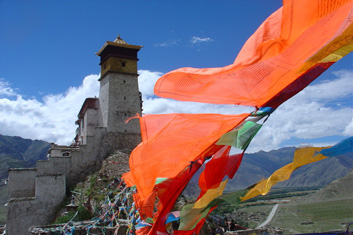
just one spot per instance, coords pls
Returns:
(21, 182)
(61, 150)
(24, 212)
(21, 199)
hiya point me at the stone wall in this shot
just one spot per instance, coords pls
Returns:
(89, 158)
(28, 211)
(37, 192)
(90, 122)
(79, 163)
(21, 183)
(113, 141)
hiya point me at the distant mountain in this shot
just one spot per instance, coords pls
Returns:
(16, 152)
(321, 173)
(256, 166)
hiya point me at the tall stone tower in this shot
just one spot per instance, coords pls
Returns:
(119, 96)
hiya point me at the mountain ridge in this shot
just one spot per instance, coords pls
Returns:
(260, 165)
(17, 152)
(257, 166)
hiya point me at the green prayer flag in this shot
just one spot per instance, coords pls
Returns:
(240, 137)
(160, 180)
(190, 217)
(230, 198)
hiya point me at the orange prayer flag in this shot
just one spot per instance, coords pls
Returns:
(129, 181)
(171, 141)
(289, 50)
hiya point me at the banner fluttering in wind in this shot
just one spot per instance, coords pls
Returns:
(287, 52)
(302, 156)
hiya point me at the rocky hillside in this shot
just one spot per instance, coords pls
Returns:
(92, 192)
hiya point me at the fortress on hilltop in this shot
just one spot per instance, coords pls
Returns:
(34, 194)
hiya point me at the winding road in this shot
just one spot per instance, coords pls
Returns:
(270, 216)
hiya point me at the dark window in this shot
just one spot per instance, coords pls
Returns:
(123, 64)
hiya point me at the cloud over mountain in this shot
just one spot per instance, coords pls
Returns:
(52, 119)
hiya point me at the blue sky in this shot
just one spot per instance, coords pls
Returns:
(48, 64)
(54, 41)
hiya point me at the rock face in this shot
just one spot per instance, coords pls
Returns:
(99, 184)
(115, 165)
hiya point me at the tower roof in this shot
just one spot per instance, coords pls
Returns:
(118, 42)
(90, 103)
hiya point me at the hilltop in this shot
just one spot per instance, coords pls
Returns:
(338, 189)
(17, 152)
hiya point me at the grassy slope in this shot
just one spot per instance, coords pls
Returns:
(327, 209)
(330, 208)
(320, 216)
(314, 217)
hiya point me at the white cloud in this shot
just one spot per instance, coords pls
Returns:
(318, 111)
(348, 131)
(195, 40)
(331, 89)
(5, 89)
(52, 120)
(168, 43)
(146, 80)
(162, 106)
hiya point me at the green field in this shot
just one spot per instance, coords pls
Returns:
(298, 217)
(295, 214)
